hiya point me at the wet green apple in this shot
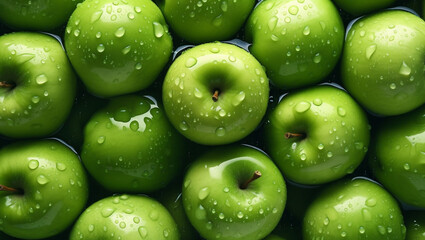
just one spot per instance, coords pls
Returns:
(117, 47)
(299, 42)
(383, 62)
(215, 93)
(415, 225)
(317, 135)
(37, 85)
(43, 188)
(38, 15)
(206, 21)
(360, 7)
(354, 209)
(397, 156)
(234, 192)
(129, 146)
(125, 217)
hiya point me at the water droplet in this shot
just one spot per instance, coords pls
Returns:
(96, 16)
(91, 228)
(362, 230)
(341, 112)
(306, 30)
(100, 48)
(203, 193)
(134, 125)
(382, 230)
(223, 6)
(166, 233)
(406, 166)
(320, 146)
(238, 98)
(272, 23)
(41, 79)
(221, 215)
(183, 126)
(120, 32)
(42, 180)
(158, 29)
(143, 232)
(200, 213)
(220, 131)
(126, 50)
(122, 225)
(137, 9)
(190, 62)
(302, 107)
(293, 10)
(329, 154)
(226, 189)
(101, 139)
(317, 58)
(138, 66)
(215, 50)
(33, 164)
(326, 221)
(371, 202)
(130, 16)
(107, 211)
(61, 166)
(35, 99)
(240, 215)
(393, 86)
(367, 216)
(197, 93)
(370, 51)
(405, 69)
(317, 102)
(76, 32)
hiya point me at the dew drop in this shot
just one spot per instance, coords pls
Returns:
(293, 10)
(317, 102)
(183, 126)
(406, 166)
(220, 132)
(120, 32)
(272, 23)
(190, 62)
(317, 58)
(138, 66)
(126, 50)
(100, 139)
(341, 111)
(60, 166)
(33, 164)
(306, 30)
(393, 86)
(370, 51)
(405, 69)
(96, 16)
(91, 228)
(100, 48)
(42, 180)
(226, 189)
(158, 29)
(203, 193)
(302, 107)
(371, 202)
(134, 125)
(143, 232)
(238, 98)
(224, 6)
(106, 212)
(197, 93)
(362, 230)
(41, 79)
(35, 99)
(240, 215)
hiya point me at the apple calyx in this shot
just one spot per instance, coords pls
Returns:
(215, 95)
(289, 135)
(8, 189)
(6, 84)
(256, 175)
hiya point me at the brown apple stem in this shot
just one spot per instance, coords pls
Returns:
(289, 135)
(8, 189)
(4, 84)
(215, 95)
(256, 175)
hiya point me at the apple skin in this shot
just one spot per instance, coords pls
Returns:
(125, 217)
(415, 225)
(359, 7)
(382, 62)
(193, 78)
(117, 48)
(396, 157)
(129, 146)
(218, 207)
(36, 15)
(44, 85)
(212, 21)
(335, 135)
(54, 186)
(299, 42)
(354, 209)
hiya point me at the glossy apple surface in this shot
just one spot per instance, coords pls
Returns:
(38, 15)
(224, 200)
(129, 146)
(317, 135)
(215, 93)
(397, 158)
(383, 62)
(37, 85)
(360, 7)
(299, 42)
(354, 209)
(117, 47)
(51, 188)
(206, 21)
(125, 217)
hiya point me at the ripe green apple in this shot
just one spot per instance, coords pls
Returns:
(117, 47)
(397, 156)
(38, 15)
(415, 225)
(43, 188)
(299, 42)
(360, 7)
(215, 93)
(383, 62)
(354, 209)
(317, 135)
(125, 217)
(37, 85)
(234, 192)
(206, 21)
(129, 146)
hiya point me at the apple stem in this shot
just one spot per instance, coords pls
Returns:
(8, 189)
(256, 175)
(215, 95)
(4, 84)
(289, 135)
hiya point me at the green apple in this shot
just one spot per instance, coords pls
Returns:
(43, 188)
(38, 15)
(215, 93)
(397, 156)
(37, 85)
(360, 7)
(129, 146)
(354, 209)
(415, 225)
(234, 192)
(125, 217)
(383, 62)
(317, 135)
(117, 47)
(206, 21)
(171, 198)
(298, 41)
